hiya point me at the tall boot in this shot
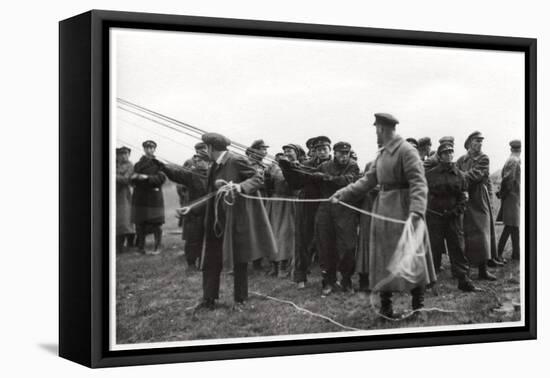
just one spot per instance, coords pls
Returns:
(140, 238)
(484, 273)
(364, 282)
(515, 243)
(417, 298)
(283, 269)
(386, 308)
(274, 269)
(157, 233)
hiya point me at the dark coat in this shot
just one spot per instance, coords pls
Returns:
(242, 227)
(148, 201)
(510, 191)
(479, 227)
(447, 190)
(195, 180)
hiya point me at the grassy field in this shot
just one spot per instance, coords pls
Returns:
(153, 293)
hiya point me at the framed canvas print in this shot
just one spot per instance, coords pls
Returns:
(235, 188)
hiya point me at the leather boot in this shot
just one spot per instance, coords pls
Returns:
(484, 274)
(465, 284)
(364, 282)
(417, 298)
(386, 308)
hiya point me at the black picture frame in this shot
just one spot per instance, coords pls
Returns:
(84, 193)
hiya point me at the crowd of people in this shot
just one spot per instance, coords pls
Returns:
(283, 214)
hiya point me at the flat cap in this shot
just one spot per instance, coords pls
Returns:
(149, 143)
(424, 141)
(447, 139)
(385, 119)
(218, 141)
(311, 143)
(474, 135)
(200, 146)
(342, 146)
(122, 150)
(413, 142)
(322, 141)
(444, 147)
(516, 143)
(258, 144)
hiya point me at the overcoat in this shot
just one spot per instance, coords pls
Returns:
(510, 191)
(240, 224)
(362, 252)
(403, 189)
(282, 214)
(479, 227)
(148, 200)
(124, 198)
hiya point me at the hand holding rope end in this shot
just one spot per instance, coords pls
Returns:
(336, 197)
(183, 211)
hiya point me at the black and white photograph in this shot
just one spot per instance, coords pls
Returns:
(270, 188)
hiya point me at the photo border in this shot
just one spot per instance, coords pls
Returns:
(84, 207)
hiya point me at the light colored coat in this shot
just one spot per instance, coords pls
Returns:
(397, 165)
(479, 227)
(124, 198)
(510, 191)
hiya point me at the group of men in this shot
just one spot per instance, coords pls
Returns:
(291, 210)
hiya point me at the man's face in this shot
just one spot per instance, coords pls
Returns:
(379, 133)
(290, 154)
(476, 144)
(446, 156)
(323, 152)
(342, 157)
(261, 152)
(149, 150)
(201, 163)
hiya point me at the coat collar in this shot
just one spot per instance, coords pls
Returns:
(222, 159)
(393, 144)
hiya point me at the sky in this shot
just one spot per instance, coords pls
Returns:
(288, 90)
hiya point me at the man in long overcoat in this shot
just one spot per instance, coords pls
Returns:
(148, 200)
(237, 229)
(194, 179)
(479, 227)
(124, 226)
(510, 200)
(403, 194)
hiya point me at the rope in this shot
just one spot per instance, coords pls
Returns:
(306, 311)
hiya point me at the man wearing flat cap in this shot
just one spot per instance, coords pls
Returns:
(479, 227)
(336, 225)
(237, 229)
(124, 226)
(148, 200)
(310, 144)
(447, 197)
(510, 200)
(295, 174)
(194, 179)
(403, 194)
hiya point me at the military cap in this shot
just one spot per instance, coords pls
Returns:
(413, 142)
(311, 142)
(200, 146)
(424, 141)
(342, 146)
(444, 147)
(202, 154)
(218, 141)
(292, 146)
(516, 144)
(447, 139)
(322, 141)
(122, 150)
(257, 144)
(385, 119)
(353, 155)
(474, 135)
(149, 143)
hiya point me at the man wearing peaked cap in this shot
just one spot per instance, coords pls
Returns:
(124, 226)
(336, 225)
(215, 140)
(447, 197)
(447, 139)
(148, 200)
(403, 195)
(479, 226)
(424, 148)
(413, 142)
(310, 145)
(510, 197)
(433, 160)
(200, 146)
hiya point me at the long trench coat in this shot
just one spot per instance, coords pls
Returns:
(124, 198)
(282, 215)
(362, 252)
(479, 226)
(243, 228)
(510, 191)
(403, 189)
(148, 200)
